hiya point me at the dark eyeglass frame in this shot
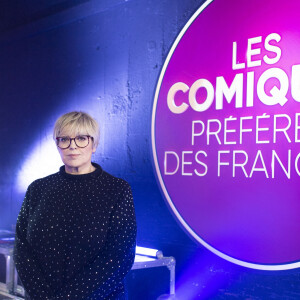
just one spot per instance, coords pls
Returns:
(74, 139)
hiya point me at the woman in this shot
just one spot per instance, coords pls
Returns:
(76, 230)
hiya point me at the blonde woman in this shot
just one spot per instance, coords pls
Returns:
(76, 230)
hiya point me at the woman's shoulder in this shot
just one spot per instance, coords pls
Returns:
(115, 181)
(49, 179)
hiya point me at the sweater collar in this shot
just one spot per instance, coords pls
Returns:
(98, 171)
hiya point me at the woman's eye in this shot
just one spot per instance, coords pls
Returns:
(64, 139)
(81, 138)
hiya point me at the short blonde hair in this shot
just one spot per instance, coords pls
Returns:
(77, 122)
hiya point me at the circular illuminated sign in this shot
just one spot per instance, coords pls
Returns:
(226, 131)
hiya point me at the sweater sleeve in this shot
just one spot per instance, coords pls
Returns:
(115, 259)
(26, 263)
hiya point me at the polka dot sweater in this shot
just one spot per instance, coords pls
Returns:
(75, 236)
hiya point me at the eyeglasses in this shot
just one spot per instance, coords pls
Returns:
(81, 141)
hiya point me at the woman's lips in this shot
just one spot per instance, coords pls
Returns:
(73, 155)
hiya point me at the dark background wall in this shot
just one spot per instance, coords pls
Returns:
(104, 57)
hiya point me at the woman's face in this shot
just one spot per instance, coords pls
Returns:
(76, 160)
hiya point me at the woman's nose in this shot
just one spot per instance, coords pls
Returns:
(73, 144)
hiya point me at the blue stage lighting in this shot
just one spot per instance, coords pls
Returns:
(43, 160)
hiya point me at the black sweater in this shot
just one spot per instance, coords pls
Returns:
(75, 236)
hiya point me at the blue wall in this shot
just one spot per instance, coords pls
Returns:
(104, 57)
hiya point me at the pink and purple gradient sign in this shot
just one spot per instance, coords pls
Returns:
(226, 131)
